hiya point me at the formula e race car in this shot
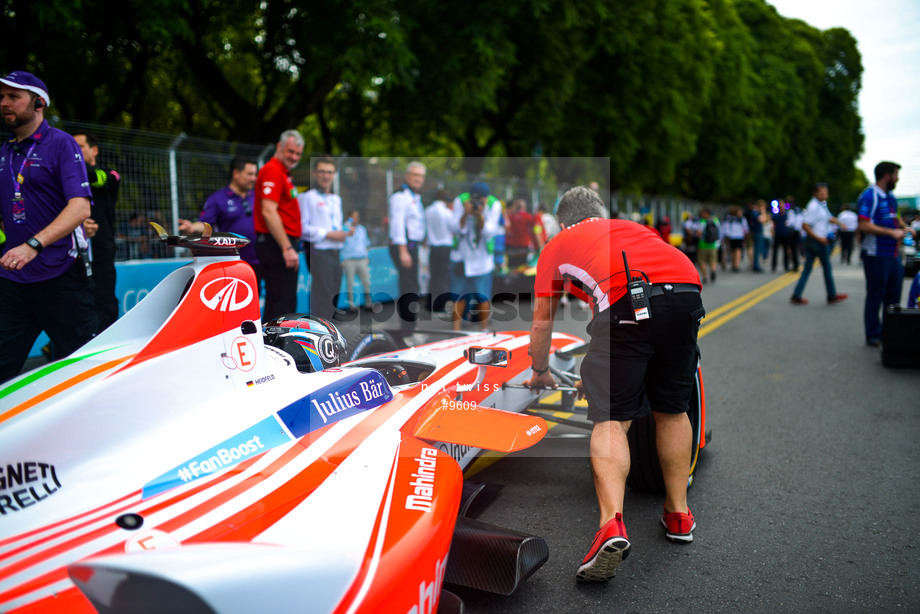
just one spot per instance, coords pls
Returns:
(194, 459)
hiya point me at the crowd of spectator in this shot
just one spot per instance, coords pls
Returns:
(761, 236)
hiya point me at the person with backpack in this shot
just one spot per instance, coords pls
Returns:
(709, 244)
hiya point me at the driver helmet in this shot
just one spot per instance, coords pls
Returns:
(314, 343)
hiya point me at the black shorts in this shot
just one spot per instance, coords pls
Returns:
(632, 369)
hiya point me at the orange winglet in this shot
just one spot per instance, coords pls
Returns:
(465, 423)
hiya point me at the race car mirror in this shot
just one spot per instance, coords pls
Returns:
(491, 357)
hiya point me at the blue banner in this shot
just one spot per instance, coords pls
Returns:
(253, 441)
(346, 397)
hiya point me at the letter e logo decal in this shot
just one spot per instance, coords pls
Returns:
(244, 353)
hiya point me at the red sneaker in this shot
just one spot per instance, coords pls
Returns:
(679, 526)
(798, 300)
(837, 298)
(610, 546)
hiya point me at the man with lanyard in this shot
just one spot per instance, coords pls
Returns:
(229, 209)
(638, 361)
(323, 235)
(476, 221)
(277, 224)
(816, 226)
(881, 231)
(407, 231)
(44, 200)
(101, 229)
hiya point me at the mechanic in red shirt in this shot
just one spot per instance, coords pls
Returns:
(635, 363)
(276, 218)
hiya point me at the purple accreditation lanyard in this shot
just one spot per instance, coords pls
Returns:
(19, 207)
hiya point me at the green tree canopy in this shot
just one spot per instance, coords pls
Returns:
(719, 100)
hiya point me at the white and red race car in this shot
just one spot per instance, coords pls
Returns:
(192, 459)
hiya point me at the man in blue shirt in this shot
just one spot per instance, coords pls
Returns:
(881, 231)
(44, 200)
(229, 209)
(354, 257)
(755, 216)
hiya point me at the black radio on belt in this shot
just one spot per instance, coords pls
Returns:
(637, 293)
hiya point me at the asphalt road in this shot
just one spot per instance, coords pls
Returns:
(806, 499)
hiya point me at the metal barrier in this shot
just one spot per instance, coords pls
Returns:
(166, 177)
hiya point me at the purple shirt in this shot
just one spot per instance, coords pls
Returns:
(227, 211)
(53, 174)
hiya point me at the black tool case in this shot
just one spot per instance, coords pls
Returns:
(901, 337)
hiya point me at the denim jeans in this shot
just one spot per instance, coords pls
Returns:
(814, 249)
(884, 278)
(759, 250)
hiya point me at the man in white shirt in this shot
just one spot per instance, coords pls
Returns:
(849, 222)
(438, 217)
(816, 226)
(475, 222)
(323, 235)
(407, 231)
(355, 261)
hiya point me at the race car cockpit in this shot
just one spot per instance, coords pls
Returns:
(314, 343)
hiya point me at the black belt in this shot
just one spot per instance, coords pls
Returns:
(659, 289)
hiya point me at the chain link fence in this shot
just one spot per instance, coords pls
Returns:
(166, 177)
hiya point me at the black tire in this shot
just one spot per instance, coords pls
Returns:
(645, 468)
(360, 344)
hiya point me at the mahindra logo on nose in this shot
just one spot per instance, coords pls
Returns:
(231, 294)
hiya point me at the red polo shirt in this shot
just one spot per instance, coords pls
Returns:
(589, 255)
(275, 183)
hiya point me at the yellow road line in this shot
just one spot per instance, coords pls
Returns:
(733, 309)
